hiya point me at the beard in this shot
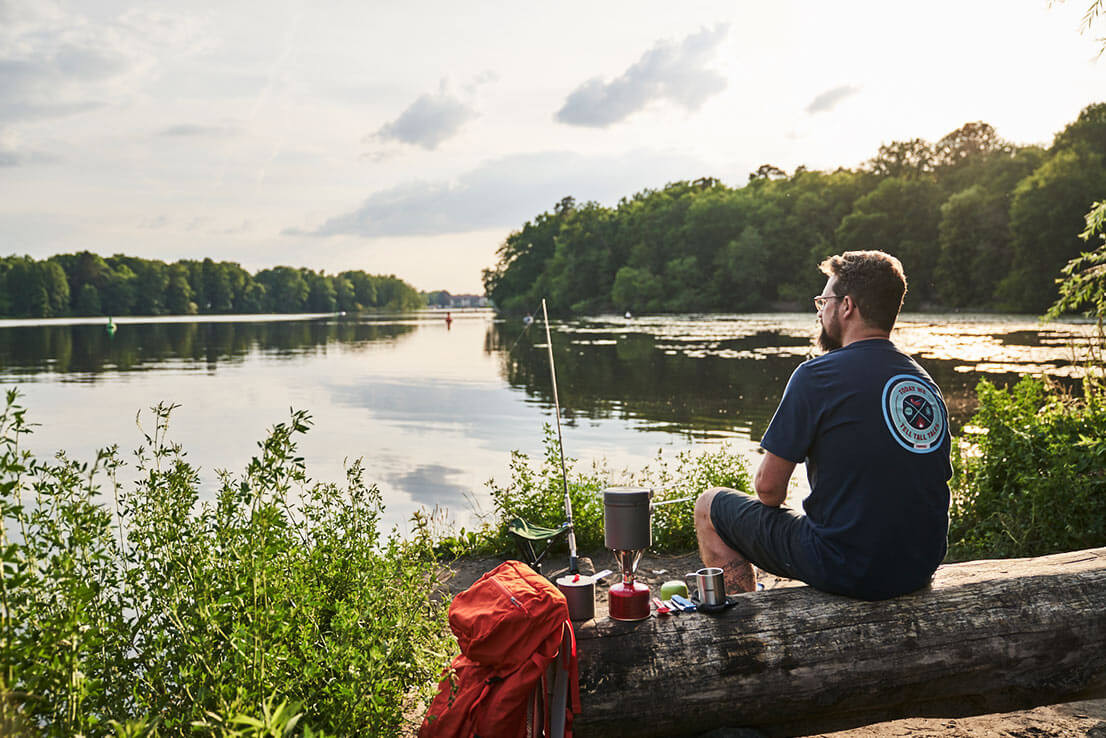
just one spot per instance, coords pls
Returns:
(826, 341)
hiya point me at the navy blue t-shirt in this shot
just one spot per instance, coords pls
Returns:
(872, 427)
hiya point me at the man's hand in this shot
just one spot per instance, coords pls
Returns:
(770, 482)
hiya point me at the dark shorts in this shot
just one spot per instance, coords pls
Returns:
(769, 537)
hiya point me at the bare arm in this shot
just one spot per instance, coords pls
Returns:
(771, 479)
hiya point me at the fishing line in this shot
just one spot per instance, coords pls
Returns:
(573, 567)
(525, 328)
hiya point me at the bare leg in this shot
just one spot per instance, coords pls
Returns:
(737, 572)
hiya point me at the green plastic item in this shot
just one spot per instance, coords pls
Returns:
(673, 587)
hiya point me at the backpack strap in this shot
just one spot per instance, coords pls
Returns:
(453, 711)
(565, 701)
(470, 717)
(572, 667)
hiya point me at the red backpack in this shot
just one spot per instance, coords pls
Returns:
(510, 625)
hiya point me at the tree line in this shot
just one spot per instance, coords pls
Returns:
(86, 284)
(979, 223)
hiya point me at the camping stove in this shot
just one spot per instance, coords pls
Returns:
(627, 532)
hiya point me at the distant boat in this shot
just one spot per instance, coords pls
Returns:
(628, 316)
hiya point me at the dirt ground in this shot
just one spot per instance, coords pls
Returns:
(1068, 720)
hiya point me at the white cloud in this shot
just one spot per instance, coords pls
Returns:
(192, 129)
(830, 99)
(670, 72)
(506, 192)
(485, 77)
(55, 63)
(47, 84)
(183, 35)
(429, 120)
(14, 153)
(155, 222)
(430, 484)
(17, 15)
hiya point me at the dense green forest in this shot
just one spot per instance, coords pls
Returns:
(979, 223)
(87, 284)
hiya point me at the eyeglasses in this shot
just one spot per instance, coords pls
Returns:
(821, 300)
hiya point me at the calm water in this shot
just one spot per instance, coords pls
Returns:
(435, 412)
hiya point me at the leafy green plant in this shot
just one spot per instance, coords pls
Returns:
(275, 721)
(1032, 479)
(276, 605)
(1083, 286)
(536, 494)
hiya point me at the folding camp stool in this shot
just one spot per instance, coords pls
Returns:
(530, 537)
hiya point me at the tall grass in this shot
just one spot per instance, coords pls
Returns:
(154, 613)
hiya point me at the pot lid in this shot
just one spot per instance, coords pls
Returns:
(627, 496)
(576, 580)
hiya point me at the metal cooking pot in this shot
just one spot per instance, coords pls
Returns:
(627, 524)
(579, 592)
(628, 517)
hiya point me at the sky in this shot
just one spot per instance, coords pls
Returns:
(411, 138)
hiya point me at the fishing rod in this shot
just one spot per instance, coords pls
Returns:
(573, 566)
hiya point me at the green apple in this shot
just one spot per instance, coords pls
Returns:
(673, 587)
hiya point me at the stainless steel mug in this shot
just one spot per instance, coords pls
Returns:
(710, 585)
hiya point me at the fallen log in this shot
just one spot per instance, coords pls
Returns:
(987, 636)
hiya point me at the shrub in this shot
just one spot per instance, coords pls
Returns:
(160, 616)
(1033, 479)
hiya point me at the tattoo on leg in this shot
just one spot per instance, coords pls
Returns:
(739, 576)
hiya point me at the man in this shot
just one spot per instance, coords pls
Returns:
(872, 427)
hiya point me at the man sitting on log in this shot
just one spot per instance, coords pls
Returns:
(872, 427)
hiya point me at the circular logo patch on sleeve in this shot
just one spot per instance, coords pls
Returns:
(914, 413)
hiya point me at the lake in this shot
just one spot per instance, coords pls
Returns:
(435, 410)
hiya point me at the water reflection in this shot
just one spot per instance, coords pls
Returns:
(435, 411)
(662, 376)
(715, 376)
(84, 352)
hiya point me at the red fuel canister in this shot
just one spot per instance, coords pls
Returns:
(629, 601)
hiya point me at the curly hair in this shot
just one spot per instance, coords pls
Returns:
(874, 280)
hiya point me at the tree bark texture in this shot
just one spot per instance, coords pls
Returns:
(987, 636)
